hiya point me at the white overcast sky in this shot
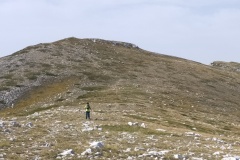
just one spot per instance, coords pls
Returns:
(199, 30)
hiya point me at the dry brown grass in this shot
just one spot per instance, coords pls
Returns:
(62, 129)
(124, 85)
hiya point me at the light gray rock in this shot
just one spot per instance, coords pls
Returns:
(29, 124)
(2, 124)
(87, 152)
(232, 158)
(14, 124)
(66, 153)
(195, 158)
(97, 145)
(143, 125)
(127, 150)
(7, 130)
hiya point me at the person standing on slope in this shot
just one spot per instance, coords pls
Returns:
(88, 109)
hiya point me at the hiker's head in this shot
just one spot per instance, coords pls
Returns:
(87, 102)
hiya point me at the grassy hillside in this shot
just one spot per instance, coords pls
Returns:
(48, 85)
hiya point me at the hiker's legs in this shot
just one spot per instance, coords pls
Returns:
(87, 115)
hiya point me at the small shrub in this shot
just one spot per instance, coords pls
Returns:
(32, 75)
(8, 76)
(228, 128)
(60, 99)
(2, 102)
(97, 76)
(50, 74)
(121, 128)
(83, 96)
(3, 88)
(31, 64)
(60, 66)
(46, 65)
(19, 85)
(93, 88)
(43, 50)
(22, 60)
(11, 83)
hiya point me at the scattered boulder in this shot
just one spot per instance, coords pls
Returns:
(29, 124)
(143, 125)
(127, 150)
(133, 123)
(87, 152)
(7, 130)
(178, 156)
(68, 152)
(86, 127)
(232, 158)
(97, 145)
(138, 149)
(94, 150)
(2, 124)
(217, 153)
(14, 124)
(196, 158)
(154, 154)
(161, 130)
(217, 140)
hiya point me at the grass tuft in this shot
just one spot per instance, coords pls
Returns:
(132, 129)
(36, 109)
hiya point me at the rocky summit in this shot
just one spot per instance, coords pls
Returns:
(145, 105)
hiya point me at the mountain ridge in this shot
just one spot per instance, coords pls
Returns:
(126, 83)
(45, 47)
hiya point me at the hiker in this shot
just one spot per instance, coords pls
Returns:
(88, 109)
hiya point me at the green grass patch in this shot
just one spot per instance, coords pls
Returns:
(40, 94)
(46, 66)
(138, 117)
(122, 95)
(11, 83)
(132, 129)
(110, 151)
(32, 75)
(179, 124)
(4, 144)
(96, 76)
(209, 130)
(199, 128)
(8, 76)
(94, 88)
(34, 110)
(3, 88)
(50, 74)
(102, 95)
